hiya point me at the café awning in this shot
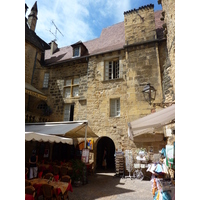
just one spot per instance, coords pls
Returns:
(46, 138)
(29, 89)
(68, 129)
(151, 122)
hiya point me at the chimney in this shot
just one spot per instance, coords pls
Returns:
(32, 17)
(54, 47)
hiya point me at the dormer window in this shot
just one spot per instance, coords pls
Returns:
(79, 49)
(76, 51)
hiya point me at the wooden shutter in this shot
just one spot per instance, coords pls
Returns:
(120, 68)
(67, 112)
(106, 70)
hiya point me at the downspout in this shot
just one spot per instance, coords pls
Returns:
(32, 77)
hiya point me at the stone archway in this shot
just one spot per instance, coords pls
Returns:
(109, 144)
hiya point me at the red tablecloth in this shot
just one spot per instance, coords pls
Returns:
(58, 186)
(29, 197)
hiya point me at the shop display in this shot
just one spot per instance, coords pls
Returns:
(119, 163)
(129, 162)
(163, 187)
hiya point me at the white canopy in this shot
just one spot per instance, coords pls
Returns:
(46, 138)
(151, 122)
(68, 129)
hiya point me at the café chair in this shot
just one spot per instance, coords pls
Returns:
(63, 170)
(27, 183)
(56, 170)
(65, 178)
(47, 191)
(30, 190)
(48, 175)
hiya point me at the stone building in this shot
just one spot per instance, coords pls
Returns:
(34, 53)
(168, 68)
(101, 80)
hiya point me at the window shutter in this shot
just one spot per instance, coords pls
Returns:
(106, 70)
(112, 108)
(67, 112)
(120, 69)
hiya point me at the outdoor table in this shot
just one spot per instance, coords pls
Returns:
(59, 186)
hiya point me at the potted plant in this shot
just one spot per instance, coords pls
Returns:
(77, 175)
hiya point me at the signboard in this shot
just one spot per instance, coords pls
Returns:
(90, 144)
(170, 155)
(85, 155)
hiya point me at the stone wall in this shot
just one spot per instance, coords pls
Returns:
(55, 92)
(30, 56)
(139, 25)
(139, 65)
(168, 7)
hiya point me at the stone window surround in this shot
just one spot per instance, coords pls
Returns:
(113, 58)
(46, 80)
(71, 86)
(114, 100)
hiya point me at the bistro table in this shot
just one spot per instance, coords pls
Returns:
(59, 186)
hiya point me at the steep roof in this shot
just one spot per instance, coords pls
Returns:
(32, 37)
(111, 38)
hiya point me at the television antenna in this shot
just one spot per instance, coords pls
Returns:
(55, 34)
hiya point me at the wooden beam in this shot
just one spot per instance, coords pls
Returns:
(35, 94)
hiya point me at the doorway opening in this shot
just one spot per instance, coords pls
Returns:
(110, 146)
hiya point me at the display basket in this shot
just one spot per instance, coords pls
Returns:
(143, 165)
(137, 165)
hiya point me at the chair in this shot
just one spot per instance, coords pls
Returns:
(63, 170)
(56, 170)
(47, 191)
(30, 190)
(48, 175)
(27, 183)
(67, 179)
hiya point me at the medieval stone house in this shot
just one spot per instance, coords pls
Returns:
(101, 80)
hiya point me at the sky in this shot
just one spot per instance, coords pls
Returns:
(70, 21)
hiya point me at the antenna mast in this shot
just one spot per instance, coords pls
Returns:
(55, 34)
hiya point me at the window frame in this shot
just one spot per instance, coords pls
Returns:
(71, 87)
(112, 69)
(78, 50)
(115, 103)
(46, 80)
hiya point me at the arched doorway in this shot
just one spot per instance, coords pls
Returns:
(109, 144)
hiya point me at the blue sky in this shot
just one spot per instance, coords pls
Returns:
(80, 19)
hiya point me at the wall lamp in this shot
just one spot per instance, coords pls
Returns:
(149, 93)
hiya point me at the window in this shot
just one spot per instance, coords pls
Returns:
(69, 112)
(46, 80)
(111, 69)
(76, 51)
(114, 107)
(71, 88)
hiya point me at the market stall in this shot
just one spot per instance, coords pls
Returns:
(163, 185)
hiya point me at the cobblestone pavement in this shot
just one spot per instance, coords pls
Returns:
(105, 186)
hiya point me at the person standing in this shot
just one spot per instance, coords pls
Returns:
(33, 165)
(104, 163)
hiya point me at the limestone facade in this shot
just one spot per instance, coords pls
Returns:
(140, 54)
